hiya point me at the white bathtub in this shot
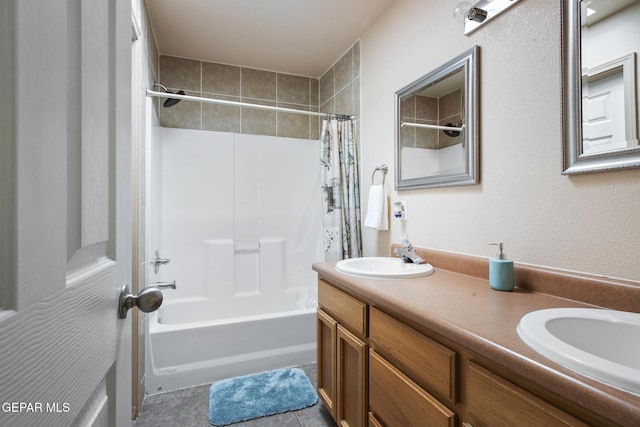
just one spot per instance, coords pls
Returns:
(241, 251)
(196, 351)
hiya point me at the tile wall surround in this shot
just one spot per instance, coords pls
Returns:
(338, 90)
(340, 85)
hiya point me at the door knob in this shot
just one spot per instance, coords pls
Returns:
(147, 300)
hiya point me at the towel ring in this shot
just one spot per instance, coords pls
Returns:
(382, 168)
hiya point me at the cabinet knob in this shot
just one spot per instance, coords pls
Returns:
(467, 425)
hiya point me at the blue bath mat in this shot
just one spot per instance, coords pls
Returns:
(259, 395)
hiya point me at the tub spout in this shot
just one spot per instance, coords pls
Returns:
(163, 285)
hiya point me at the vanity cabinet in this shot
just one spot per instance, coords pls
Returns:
(493, 401)
(374, 369)
(412, 366)
(342, 355)
(430, 364)
(395, 400)
(351, 380)
(327, 331)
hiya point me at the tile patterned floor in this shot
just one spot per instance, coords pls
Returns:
(190, 408)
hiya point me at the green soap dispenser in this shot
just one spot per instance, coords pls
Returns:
(500, 271)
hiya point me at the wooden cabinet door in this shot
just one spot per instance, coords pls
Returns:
(327, 331)
(352, 375)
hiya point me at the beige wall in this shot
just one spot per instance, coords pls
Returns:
(585, 223)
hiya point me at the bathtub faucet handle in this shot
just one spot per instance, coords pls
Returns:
(157, 261)
(163, 285)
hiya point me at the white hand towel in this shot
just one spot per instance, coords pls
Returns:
(377, 209)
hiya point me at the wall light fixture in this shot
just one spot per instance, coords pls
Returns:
(475, 15)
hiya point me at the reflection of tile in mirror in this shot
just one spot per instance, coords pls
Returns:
(408, 135)
(408, 107)
(426, 108)
(427, 138)
(450, 104)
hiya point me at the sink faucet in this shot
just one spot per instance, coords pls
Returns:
(407, 253)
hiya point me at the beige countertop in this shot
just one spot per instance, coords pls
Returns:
(468, 312)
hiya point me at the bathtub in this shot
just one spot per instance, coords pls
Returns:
(185, 350)
(241, 251)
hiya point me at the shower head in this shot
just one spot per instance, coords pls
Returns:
(170, 102)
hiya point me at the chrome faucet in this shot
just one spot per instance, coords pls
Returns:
(163, 285)
(407, 252)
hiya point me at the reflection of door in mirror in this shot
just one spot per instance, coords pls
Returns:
(428, 151)
(603, 113)
(610, 37)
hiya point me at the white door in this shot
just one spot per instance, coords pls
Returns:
(65, 248)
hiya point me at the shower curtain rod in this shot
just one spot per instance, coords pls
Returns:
(152, 93)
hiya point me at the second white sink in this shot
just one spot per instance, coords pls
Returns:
(383, 268)
(601, 344)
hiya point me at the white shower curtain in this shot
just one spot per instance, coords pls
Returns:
(341, 190)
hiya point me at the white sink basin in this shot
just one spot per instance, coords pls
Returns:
(383, 268)
(601, 344)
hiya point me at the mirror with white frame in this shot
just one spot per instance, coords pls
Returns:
(436, 129)
(600, 43)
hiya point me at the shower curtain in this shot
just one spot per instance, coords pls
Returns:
(341, 190)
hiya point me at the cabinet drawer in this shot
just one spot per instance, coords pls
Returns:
(347, 310)
(427, 362)
(396, 401)
(494, 401)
